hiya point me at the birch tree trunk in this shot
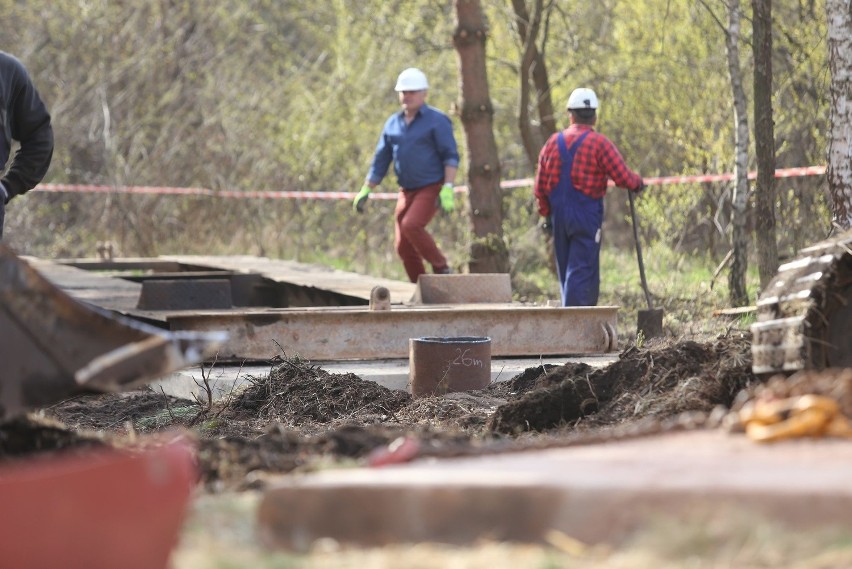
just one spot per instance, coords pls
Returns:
(764, 138)
(839, 15)
(738, 293)
(488, 253)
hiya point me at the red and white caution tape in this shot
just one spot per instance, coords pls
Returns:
(89, 188)
(782, 173)
(305, 195)
(697, 179)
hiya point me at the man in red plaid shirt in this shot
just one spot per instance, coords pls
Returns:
(573, 168)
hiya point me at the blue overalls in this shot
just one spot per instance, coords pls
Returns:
(576, 220)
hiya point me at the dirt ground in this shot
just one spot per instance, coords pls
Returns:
(300, 417)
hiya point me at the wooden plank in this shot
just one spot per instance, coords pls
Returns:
(145, 264)
(303, 274)
(107, 290)
(464, 288)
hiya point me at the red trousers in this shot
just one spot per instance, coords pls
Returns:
(414, 210)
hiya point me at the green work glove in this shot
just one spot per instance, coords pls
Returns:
(361, 199)
(447, 198)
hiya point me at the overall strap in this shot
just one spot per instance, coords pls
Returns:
(567, 154)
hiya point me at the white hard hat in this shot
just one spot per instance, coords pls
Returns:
(582, 98)
(412, 79)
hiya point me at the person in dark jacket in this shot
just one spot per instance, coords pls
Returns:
(24, 118)
(574, 167)
(419, 141)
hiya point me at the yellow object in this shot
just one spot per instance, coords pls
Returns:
(804, 416)
(809, 422)
(839, 427)
(827, 404)
(447, 198)
(759, 413)
(566, 543)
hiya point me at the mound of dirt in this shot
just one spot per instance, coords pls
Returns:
(116, 412)
(296, 392)
(661, 381)
(537, 377)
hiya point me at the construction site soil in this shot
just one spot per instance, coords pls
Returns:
(299, 417)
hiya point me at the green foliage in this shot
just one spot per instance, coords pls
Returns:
(683, 285)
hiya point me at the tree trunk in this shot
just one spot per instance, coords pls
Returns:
(764, 137)
(533, 68)
(488, 250)
(840, 131)
(738, 293)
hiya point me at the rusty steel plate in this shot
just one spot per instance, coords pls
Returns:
(53, 346)
(465, 288)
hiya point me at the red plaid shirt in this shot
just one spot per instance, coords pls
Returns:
(596, 160)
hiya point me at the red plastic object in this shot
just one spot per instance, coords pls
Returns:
(107, 509)
(403, 449)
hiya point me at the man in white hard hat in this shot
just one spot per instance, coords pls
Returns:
(419, 141)
(571, 181)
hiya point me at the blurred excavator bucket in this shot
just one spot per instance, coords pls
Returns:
(53, 346)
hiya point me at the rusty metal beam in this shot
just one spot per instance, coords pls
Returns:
(359, 333)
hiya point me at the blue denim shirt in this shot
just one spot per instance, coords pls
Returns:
(419, 150)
